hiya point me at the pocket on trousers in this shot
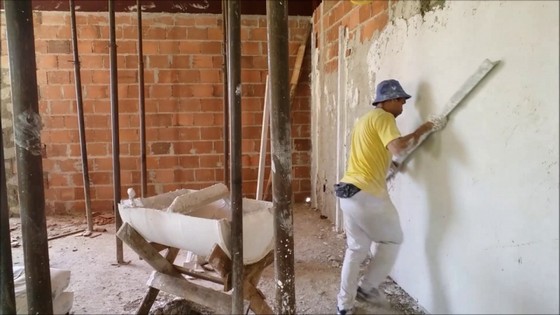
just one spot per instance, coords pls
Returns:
(345, 190)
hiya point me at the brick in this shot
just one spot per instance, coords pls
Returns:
(161, 148)
(190, 133)
(158, 61)
(167, 134)
(185, 119)
(379, 7)
(131, 62)
(196, 33)
(123, 19)
(58, 77)
(96, 19)
(57, 18)
(127, 76)
(50, 92)
(211, 48)
(211, 105)
(374, 25)
(302, 144)
(100, 47)
(180, 62)
(96, 91)
(88, 31)
(258, 34)
(202, 61)
(45, 32)
(178, 76)
(153, 32)
(248, 173)
(164, 176)
(161, 91)
(211, 161)
(301, 158)
(189, 161)
(58, 47)
(150, 47)
(94, 62)
(98, 149)
(251, 48)
(252, 132)
(60, 107)
(102, 192)
(167, 106)
(130, 32)
(202, 147)
(301, 117)
(57, 150)
(176, 33)
(190, 47)
(166, 47)
(216, 34)
(252, 76)
(301, 131)
(204, 175)
(203, 119)
(203, 90)
(128, 135)
(127, 47)
(101, 135)
(129, 163)
(331, 66)
(168, 162)
(210, 76)
(301, 172)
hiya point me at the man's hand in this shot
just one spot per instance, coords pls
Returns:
(438, 122)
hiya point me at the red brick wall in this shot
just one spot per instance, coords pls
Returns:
(184, 104)
(362, 22)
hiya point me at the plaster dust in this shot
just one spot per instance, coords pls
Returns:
(102, 287)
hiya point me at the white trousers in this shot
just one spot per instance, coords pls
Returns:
(368, 220)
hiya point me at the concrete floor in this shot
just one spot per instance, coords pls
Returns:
(101, 286)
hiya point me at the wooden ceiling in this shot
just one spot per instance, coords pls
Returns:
(252, 7)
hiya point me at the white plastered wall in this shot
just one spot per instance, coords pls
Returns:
(478, 201)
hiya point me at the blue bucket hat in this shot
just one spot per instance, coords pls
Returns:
(389, 90)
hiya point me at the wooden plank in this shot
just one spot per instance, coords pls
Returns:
(198, 275)
(133, 239)
(181, 287)
(252, 276)
(340, 121)
(264, 142)
(222, 264)
(152, 293)
(256, 299)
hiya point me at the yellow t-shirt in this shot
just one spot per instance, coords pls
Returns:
(369, 159)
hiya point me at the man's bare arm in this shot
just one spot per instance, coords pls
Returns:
(401, 146)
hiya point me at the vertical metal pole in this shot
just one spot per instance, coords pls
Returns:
(27, 136)
(226, 106)
(143, 167)
(115, 128)
(7, 294)
(281, 150)
(81, 123)
(234, 93)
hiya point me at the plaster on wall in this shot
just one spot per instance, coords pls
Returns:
(479, 200)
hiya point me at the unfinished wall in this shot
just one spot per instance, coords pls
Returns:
(479, 201)
(184, 103)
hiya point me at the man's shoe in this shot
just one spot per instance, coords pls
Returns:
(343, 312)
(372, 296)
